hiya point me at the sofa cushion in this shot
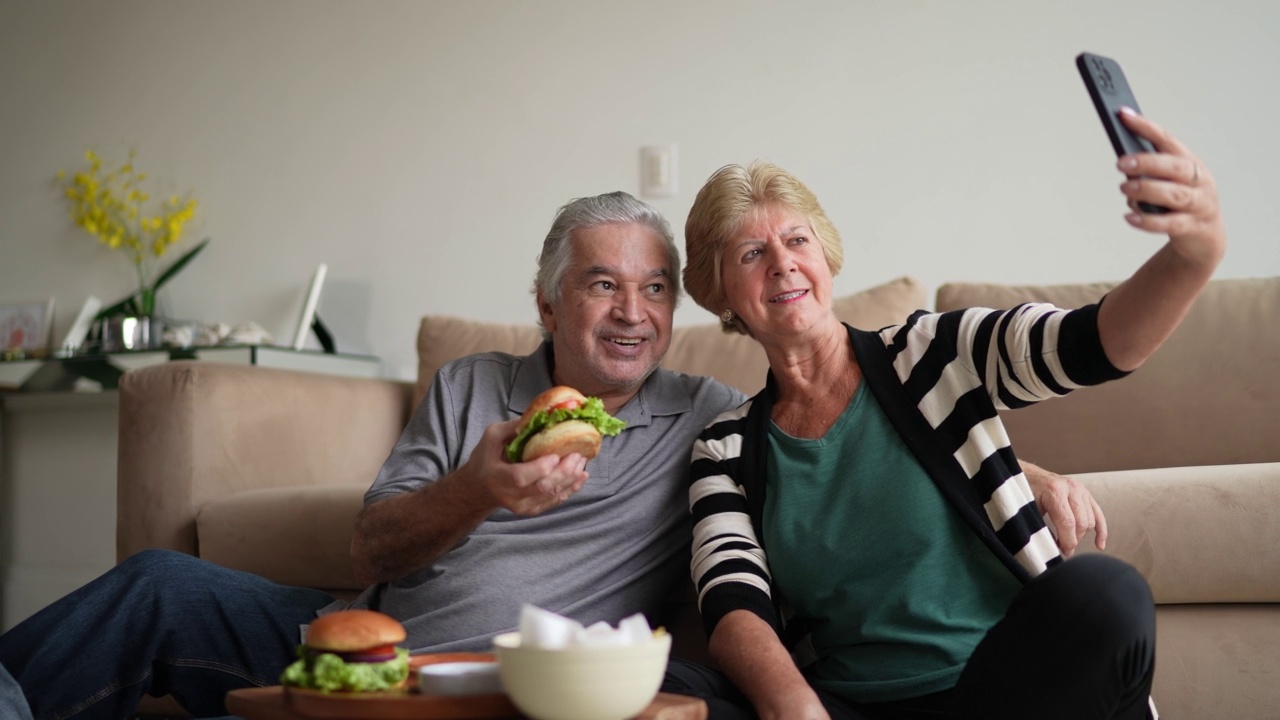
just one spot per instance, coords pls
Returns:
(696, 349)
(1213, 661)
(1203, 398)
(292, 535)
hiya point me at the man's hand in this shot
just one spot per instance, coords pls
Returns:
(1068, 505)
(402, 534)
(523, 488)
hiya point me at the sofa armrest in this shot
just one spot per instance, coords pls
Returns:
(1205, 534)
(194, 432)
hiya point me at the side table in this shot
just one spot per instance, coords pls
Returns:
(268, 703)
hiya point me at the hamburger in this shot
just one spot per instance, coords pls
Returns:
(350, 651)
(561, 421)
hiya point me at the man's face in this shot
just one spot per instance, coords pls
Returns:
(612, 324)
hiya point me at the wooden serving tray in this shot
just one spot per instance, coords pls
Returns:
(279, 703)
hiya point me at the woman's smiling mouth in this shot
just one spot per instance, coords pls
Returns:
(788, 296)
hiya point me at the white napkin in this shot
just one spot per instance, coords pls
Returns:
(545, 629)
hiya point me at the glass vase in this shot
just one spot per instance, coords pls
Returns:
(121, 334)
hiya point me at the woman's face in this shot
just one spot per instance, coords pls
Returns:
(775, 274)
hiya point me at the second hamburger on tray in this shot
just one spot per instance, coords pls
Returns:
(561, 421)
(350, 651)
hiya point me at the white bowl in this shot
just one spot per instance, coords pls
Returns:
(460, 678)
(582, 683)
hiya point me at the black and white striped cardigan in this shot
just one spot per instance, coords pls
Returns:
(940, 378)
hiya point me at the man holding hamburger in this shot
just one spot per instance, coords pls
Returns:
(592, 538)
(454, 536)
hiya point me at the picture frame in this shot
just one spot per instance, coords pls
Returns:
(79, 330)
(26, 329)
(308, 315)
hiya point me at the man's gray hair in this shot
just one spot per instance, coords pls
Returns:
(583, 213)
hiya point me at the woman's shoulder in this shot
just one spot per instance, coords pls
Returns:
(722, 437)
(729, 419)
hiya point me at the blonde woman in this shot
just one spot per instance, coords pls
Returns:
(868, 498)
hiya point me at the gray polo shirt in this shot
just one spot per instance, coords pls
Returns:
(615, 548)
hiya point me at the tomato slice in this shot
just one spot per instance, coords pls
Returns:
(566, 405)
(382, 653)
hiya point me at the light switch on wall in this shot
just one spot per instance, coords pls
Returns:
(659, 170)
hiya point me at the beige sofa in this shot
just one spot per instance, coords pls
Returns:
(264, 470)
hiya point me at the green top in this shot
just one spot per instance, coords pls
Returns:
(861, 543)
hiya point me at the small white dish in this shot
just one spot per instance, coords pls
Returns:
(460, 678)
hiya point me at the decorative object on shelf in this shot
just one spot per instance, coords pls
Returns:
(308, 318)
(79, 329)
(130, 332)
(26, 330)
(112, 207)
(181, 334)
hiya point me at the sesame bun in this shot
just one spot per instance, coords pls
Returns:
(570, 436)
(353, 630)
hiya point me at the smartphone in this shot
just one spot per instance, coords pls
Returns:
(1110, 91)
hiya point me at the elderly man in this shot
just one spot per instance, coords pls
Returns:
(453, 538)
(611, 531)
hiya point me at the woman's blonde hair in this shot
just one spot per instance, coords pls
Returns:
(724, 203)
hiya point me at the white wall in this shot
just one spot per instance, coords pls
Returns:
(421, 148)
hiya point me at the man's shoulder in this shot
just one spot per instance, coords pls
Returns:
(483, 364)
(483, 380)
(709, 396)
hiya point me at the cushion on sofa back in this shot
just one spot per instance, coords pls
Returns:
(696, 349)
(1209, 396)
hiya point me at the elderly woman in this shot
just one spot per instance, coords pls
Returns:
(868, 501)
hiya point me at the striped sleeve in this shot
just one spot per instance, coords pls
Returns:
(959, 368)
(1019, 356)
(729, 568)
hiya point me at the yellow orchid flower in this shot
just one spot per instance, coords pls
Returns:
(110, 208)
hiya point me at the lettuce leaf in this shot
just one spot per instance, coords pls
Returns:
(592, 411)
(328, 673)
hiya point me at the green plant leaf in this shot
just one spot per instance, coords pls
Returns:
(178, 265)
(126, 306)
(138, 304)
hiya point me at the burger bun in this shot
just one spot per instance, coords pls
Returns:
(570, 436)
(353, 631)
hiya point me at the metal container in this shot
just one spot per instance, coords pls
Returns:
(131, 333)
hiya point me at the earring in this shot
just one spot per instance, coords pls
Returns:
(726, 317)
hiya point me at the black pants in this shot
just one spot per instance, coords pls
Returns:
(1077, 643)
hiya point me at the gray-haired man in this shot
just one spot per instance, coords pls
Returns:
(452, 538)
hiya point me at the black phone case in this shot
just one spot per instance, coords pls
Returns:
(1110, 91)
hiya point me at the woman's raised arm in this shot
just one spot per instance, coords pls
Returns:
(1141, 313)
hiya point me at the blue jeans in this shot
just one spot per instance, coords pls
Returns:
(161, 622)
(12, 702)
